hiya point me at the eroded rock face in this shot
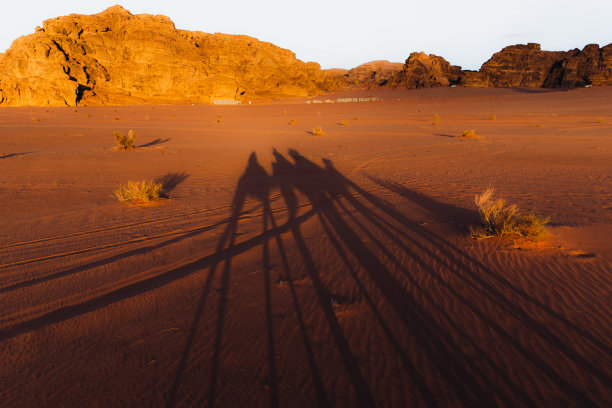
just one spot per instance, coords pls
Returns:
(118, 58)
(579, 68)
(514, 66)
(373, 73)
(520, 66)
(529, 66)
(425, 71)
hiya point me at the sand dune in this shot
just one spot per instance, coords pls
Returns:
(286, 269)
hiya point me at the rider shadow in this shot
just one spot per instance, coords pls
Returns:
(360, 227)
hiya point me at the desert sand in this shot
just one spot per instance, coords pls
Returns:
(291, 270)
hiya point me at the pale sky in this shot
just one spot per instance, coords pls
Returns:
(347, 33)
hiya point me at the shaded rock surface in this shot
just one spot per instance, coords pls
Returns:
(523, 65)
(118, 58)
(529, 66)
(373, 73)
(425, 71)
(520, 66)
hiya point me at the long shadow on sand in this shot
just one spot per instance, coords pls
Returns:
(155, 142)
(171, 180)
(394, 262)
(343, 208)
(8, 156)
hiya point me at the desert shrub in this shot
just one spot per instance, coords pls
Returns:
(139, 192)
(469, 134)
(436, 118)
(318, 131)
(292, 122)
(600, 121)
(501, 219)
(125, 142)
(494, 117)
(343, 123)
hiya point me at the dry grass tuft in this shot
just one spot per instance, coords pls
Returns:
(469, 134)
(139, 192)
(318, 131)
(292, 122)
(436, 119)
(494, 117)
(125, 142)
(343, 123)
(500, 219)
(600, 121)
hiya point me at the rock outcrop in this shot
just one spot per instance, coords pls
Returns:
(514, 66)
(425, 71)
(373, 73)
(591, 66)
(529, 66)
(118, 58)
(520, 66)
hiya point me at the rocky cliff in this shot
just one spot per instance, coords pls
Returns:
(118, 58)
(591, 66)
(425, 71)
(373, 73)
(520, 66)
(529, 66)
(514, 66)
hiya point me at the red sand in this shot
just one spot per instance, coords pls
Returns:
(338, 273)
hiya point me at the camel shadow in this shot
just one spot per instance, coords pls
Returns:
(432, 303)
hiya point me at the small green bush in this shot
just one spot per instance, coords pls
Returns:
(139, 192)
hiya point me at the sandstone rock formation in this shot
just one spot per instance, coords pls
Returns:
(529, 66)
(425, 71)
(373, 73)
(520, 66)
(118, 58)
(514, 66)
(591, 66)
